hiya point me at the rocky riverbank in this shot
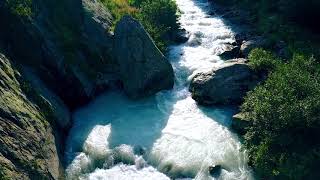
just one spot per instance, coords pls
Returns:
(56, 57)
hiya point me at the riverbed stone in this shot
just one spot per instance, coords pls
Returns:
(225, 85)
(215, 171)
(231, 52)
(144, 70)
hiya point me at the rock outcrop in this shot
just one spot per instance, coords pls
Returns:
(63, 56)
(63, 51)
(240, 123)
(27, 135)
(66, 43)
(233, 51)
(143, 68)
(225, 85)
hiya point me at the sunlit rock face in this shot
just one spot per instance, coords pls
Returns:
(225, 85)
(177, 138)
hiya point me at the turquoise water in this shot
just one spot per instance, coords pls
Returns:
(167, 135)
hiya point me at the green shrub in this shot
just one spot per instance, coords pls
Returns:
(282, 139)
(20, 7)
(118, 8)
(262, 60)
(159, 17)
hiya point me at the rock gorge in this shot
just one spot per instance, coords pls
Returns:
(54, 59)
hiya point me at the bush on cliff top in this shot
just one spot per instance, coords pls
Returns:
(262, 60)
(282, 139)
(20, 7)
(159, 17)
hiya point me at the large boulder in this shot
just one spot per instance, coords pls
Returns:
(143, 68)
(225, 85)
(231, 52)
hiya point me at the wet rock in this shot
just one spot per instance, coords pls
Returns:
(232, 53)
(143, 68)
(240, 123)
(181, 36)
(215, 171)
(194, 40)
(224, 86)
(249, 45)
(212, 13)
(139, 150)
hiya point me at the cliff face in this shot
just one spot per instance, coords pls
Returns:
(27, 143)
(61, 51)
(56, 56)
(65, 42)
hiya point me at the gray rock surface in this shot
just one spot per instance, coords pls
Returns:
(232, 52)
(251, 44)
(60, 110)
(225, 85)
(67, 46)
(143, 68)
(27, 140)
(240, 123)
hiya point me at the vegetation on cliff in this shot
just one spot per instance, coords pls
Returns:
(284, 110)
(284, 114)
(20, 7)
(27, 148)
(159, 17)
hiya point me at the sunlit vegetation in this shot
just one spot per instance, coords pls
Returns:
(285, 118)
(159, 17)
(20, 7)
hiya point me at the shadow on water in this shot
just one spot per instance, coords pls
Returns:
(221, 114)
(135, 123)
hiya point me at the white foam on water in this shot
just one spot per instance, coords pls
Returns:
(168, 135)
(126, 172)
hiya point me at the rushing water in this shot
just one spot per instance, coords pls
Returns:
(168, 135)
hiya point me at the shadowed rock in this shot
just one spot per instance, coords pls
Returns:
(143, 68)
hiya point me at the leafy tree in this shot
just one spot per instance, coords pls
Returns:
(282, 139)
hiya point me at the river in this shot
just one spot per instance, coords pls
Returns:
(167, 136)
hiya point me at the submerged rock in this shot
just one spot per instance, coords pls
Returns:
(224, 86)
(139, 150)
(143, 68)
(181, 36)
(215, 171)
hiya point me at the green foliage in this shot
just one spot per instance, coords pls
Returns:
(285, 116)
(20, 7)
(294, 22)
(118, 8)
(3, 175)
(159, 17)
(262, 60)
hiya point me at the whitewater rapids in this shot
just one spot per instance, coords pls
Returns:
(167, 136)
